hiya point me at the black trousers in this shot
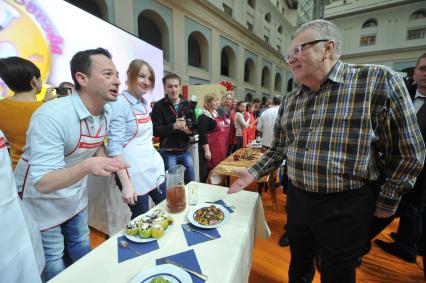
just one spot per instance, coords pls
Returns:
(409, 230)
(334, 225)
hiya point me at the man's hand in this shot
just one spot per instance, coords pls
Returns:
(48, 95)
(103, 166)
(129, 195)
(186, 130)
(382, 214)
(180, 124)
(243, 181)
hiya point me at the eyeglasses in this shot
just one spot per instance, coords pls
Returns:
(295, 51)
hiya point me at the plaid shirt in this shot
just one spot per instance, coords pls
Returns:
(359, 127)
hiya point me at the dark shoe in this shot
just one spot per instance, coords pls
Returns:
(396, 250)
(284, 240)
(366, 249)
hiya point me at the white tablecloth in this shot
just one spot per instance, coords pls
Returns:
(227, 259)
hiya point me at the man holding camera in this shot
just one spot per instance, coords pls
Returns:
(171, 122)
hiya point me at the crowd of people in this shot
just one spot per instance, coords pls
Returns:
(88, 127)
(350, 137)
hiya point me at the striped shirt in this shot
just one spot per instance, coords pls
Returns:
(359, 127)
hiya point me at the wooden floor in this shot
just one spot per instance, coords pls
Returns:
(270, 261)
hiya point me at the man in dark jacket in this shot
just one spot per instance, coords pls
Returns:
(172, 124)
(411, 206)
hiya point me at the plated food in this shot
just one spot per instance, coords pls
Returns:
(148, 227)
(161, 274)
(208, 215)
(159, 279)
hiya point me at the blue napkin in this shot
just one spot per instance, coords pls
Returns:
(223, 203)
(126, 253)
(193, 238)
(187, 259)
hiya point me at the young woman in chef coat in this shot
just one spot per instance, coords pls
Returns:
(130, 140)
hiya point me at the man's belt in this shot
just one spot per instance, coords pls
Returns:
(177, 150)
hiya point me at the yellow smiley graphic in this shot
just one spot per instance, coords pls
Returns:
(21, 34)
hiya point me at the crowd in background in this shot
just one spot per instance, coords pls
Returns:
(336, 186)
(54, 143)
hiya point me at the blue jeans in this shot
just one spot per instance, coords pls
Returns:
(71, 236)
(142, 204)
(184, 158)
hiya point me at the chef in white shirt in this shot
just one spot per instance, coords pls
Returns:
(22, 257)
(65, 143)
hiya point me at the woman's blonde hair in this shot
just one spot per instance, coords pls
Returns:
(209, 97)
(133, 72)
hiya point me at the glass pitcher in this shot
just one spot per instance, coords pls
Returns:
(175, 185)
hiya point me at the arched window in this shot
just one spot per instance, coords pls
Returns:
(153, 29)
(97, 8)
(249, 71)
(228, 62)
(417, 25)
(369, 23)
(280, 29)
(198, 50)
(268, 17)
(224, 63)
(278, 82)
(419, 14)
(289, 85)
(266, 77)
(252, 3)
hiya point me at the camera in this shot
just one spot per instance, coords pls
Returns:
(62, 91)
(191, 120)
(189, 114)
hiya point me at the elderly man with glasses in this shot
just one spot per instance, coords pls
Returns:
(353, 147)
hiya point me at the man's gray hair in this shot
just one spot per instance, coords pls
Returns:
(323, 29)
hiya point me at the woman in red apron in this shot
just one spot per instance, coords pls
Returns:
(130, 140)
(214, 136)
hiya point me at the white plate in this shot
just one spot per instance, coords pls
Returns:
(138, 239)
(168, 271)
(195, 208)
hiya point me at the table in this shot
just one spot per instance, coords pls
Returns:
(227, 259)
(228, 166)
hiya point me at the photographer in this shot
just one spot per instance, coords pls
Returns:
(172, 122)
